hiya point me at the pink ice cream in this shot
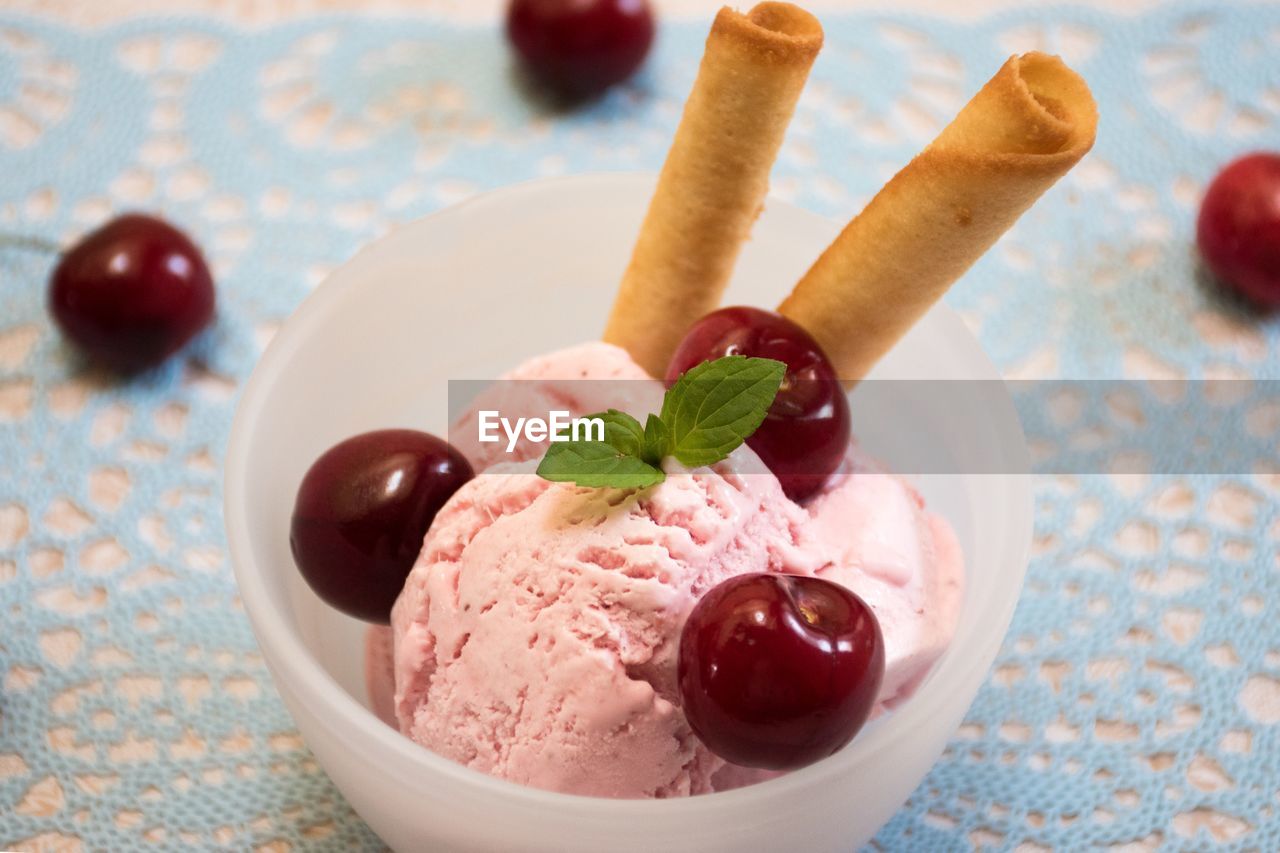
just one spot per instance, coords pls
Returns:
(901, 559)
(536, 636)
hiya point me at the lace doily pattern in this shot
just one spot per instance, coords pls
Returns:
(1136, 702)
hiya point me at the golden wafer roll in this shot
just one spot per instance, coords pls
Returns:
(1025, 129)
(714, 181)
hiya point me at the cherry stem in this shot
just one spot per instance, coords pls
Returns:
(29, 243)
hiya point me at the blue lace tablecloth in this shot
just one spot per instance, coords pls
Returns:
(1136, 701)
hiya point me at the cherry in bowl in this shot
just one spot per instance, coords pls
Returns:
(805, 435)
(132, 293)
(779, 671)
(362, 511)
(1238, 230)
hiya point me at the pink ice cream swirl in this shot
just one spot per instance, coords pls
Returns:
(536, 636)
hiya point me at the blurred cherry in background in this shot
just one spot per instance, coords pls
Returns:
(132, 293)
(579, 48)
(1239, 228)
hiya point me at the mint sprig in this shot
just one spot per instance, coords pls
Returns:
(706, 415)
(717, 405)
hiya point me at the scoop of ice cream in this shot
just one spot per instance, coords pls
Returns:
(898, 557)
(536, 637)
(581, 380)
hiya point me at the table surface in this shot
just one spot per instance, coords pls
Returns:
(1136, 701)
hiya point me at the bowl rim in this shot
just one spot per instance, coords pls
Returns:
(299, 673)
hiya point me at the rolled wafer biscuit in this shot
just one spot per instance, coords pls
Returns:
(1026, 128)
(714, 181)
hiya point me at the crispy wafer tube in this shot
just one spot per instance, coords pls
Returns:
(713, 184)
(1025, 129)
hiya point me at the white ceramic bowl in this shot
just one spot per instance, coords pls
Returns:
(468, 293)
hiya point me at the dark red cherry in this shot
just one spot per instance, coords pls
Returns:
(805, 436)
(1239, 228)
(132, 293)
(779, 671)
(579, 48)
(362, 511)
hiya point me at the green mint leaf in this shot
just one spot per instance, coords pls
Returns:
(706, 415)
(597, 464)
(656, 441)
(717, 405)
(621, 432)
